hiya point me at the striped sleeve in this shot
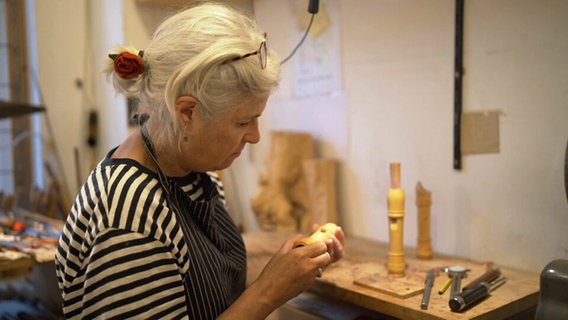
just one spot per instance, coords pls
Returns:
(128, 275)
(121, 254)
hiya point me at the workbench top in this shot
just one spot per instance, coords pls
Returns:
(365, 258)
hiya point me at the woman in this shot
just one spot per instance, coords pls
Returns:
(148, 235)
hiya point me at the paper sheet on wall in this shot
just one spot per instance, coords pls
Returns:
(480, 132)
(317, 65)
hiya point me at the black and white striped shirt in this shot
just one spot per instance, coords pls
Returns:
(122, 253)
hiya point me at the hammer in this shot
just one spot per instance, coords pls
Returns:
(456, 274)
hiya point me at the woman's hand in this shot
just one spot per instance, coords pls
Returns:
(292, 271)
(289, 272)
(334, 244)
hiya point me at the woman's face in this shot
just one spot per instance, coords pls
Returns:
(214, 145)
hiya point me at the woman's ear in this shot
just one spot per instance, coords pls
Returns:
(186, 108)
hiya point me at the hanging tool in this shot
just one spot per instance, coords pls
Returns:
(478, 291)
(427, 289)
(458, 83)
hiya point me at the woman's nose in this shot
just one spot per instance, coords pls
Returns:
(253, 134)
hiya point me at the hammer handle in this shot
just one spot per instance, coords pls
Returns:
(456, 285)
(468, 297)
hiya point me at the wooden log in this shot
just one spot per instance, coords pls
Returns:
(282, 199)
(322, 191)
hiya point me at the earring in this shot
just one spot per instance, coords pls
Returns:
(184, 136)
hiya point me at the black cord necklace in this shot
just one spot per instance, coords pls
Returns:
(174, 194)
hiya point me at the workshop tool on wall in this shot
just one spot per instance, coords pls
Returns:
(475, 293)
(423, 203)
(456, 273)
(458, 83)
(427, 289)
(322, 234)
(490, 275)
(10, 109)
(92, 138)
(395, 199)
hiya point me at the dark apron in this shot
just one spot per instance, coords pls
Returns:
(217, 271)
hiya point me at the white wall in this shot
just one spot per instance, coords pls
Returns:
(73, 38)
(398, 60)
(396, 104)
(61, 54)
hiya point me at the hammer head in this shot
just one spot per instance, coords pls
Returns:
(456, 274)
(457, 271)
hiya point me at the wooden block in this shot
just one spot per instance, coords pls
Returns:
(396, 287)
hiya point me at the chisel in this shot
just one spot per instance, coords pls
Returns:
(427, 290)
(467, 297)
(487, 277)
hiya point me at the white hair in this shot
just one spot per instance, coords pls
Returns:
(186, 57)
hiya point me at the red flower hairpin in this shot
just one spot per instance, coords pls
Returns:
(128, 65)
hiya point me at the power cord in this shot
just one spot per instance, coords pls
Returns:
(313, 8)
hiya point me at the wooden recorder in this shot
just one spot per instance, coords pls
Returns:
(322, 234)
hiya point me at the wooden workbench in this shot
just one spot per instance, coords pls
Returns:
(366, 257)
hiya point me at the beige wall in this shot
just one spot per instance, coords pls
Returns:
(397, 70)
(395, 104)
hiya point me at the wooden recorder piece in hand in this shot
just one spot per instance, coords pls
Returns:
(322, 234)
